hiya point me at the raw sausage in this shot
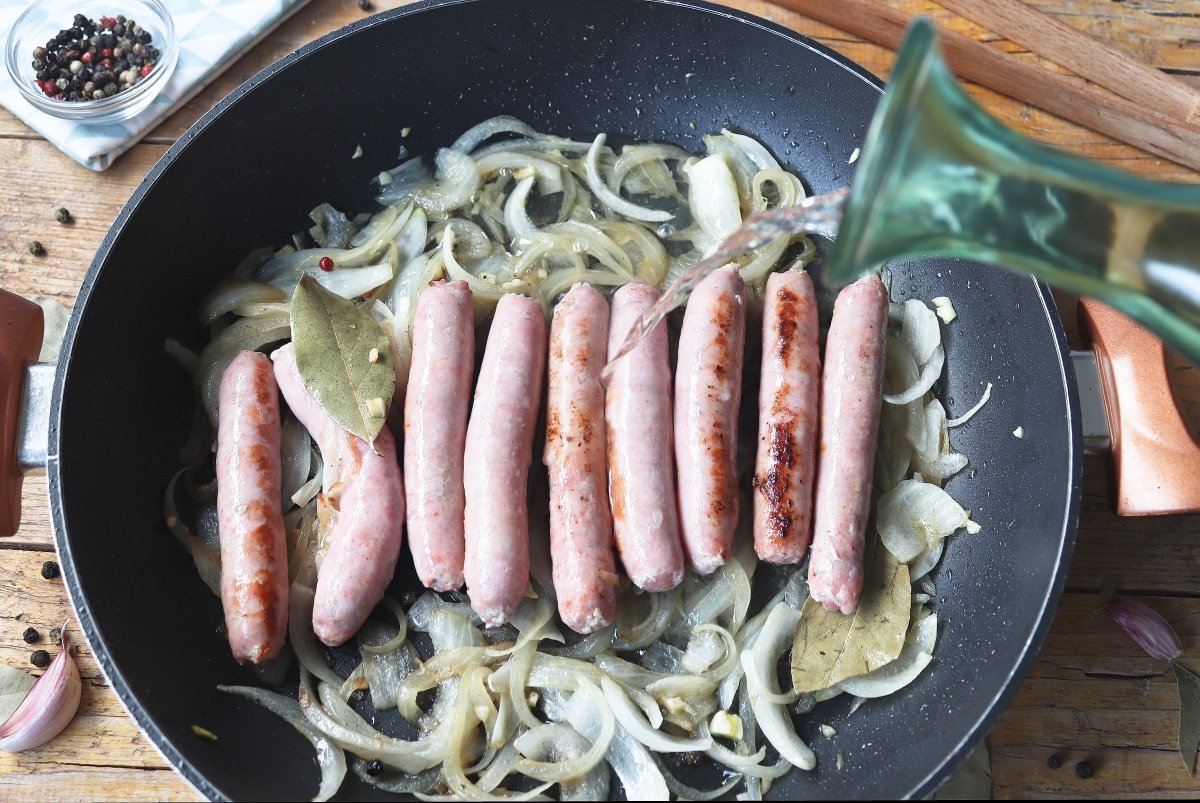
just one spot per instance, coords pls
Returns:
(499, 451)
(789, 395)
(435, 431)
(581, 536)
(641, 462)
(708, 394)
(851, 395)
(254, 576)
(368, 495)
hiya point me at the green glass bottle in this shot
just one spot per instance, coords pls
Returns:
(939, 176)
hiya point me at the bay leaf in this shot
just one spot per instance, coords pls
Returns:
(1189, 715)
(14, 685)
(832, 646)
(334, 341)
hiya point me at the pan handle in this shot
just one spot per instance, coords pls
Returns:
(20, 342)
(1155, 456)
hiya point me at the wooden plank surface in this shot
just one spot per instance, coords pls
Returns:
(1090, 695)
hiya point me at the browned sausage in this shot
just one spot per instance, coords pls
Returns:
(708, 395)
(788, 399)
(581, 539)
(254, 570)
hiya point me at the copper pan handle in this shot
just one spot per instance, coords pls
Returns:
(1155, 456)
(20, 341)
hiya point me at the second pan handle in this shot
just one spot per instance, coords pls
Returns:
(1155, 455)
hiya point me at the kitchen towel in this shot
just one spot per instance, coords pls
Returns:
(212, 34)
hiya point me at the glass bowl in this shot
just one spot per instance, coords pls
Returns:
(46, 18)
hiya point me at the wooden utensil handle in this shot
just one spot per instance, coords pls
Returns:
(1155, 456)
(20, 342)
(1088, 106)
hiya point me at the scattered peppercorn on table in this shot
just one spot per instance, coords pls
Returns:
(1095, 718)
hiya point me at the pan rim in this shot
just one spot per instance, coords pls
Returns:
(130, 700)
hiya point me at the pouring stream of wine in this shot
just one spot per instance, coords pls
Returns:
(819, 214)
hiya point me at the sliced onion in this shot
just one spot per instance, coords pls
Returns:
(684, 792)
(233, 293)
(761, 661)
(754, 150)
(456, 180)
(549, 175)
(919, 330)
(563, 770)
(773, 717)
(610, 199)
(516, 219)
(477, 134)
(632, 720)
(747, 765)
(330, 757)
(930, 373)
(309, 652)
(904, 669)
(713, 196)
(969, 414)
(662, 608)
(399, 783)
(914, 515)
(631, 761)
(421, 611)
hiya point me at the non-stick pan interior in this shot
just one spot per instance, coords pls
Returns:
(247, 175)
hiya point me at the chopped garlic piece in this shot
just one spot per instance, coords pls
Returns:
(404, 132)
(373, 355)
(944, 308)
(376, 408)
(828, 731)
(358, 152)
(386, 178)
(1019, 432)
(854, 156)
(726, 725)
(841, 761)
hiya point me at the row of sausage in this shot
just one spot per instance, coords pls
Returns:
(635, 470)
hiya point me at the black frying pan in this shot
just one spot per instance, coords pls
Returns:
(247, 174)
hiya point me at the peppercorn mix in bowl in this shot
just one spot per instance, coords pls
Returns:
(92, 62)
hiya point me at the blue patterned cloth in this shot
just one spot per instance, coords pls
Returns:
(212, 34)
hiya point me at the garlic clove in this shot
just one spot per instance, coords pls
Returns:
(49, 706)
(1147, 627)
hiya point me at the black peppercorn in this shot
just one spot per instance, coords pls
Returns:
(374, 767)
(56, 635)
(365, 5)
(1085, 770)
(62, 214)
(50, 568)
(31, 635)
(35, 248)
(1054, 762)
(39, 658)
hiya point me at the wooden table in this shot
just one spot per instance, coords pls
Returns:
(1091, 693)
